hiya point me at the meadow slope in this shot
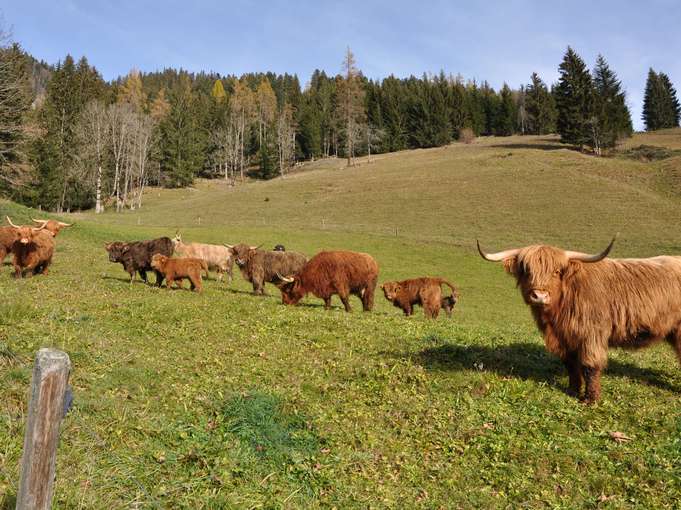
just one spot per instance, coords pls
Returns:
(226, 400)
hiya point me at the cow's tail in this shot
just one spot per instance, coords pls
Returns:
(455, 293)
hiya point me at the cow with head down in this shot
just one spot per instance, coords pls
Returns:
(33, 248)
(583, 304)
(333, 272)
(259, 266)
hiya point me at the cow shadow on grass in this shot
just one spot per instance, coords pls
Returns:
(527, 361)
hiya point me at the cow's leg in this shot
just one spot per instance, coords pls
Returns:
(408, 309)
(143, 275)
(592, 380)
(674, 339)
(159, 278)
(346, 302)
(368, 296)
(574, 368)
(327, 303)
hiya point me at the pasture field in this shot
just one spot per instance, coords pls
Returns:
(227, 400)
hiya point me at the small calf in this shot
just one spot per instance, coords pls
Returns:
(426, 292)
(178, 269)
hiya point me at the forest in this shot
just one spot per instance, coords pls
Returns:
(69, 140)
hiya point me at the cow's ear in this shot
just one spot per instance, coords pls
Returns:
(573, 267)
(511, 265)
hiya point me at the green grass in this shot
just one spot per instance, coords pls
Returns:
(227, 400)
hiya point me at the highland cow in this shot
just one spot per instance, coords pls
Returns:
(584, 304)
(333, 272)
(136, 256)
(426, 292)
(32, 249)
(217, 257)
(259, 266)
(7, 237)
(177, 269)
(53, 226)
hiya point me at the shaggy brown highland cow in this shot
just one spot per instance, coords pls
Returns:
(33, 249)
(333, 272)
(178, 269)
(584, 304)
(53, 226)
(426, 292)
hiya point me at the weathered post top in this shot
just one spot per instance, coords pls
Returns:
(45, 412)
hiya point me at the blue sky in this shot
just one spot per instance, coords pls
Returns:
(497, 41)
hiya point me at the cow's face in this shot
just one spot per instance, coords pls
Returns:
(25, 234)
(242, 253)
(391, 290)
(116, 250)
(539, 271)
(158, 261)
(291, 292)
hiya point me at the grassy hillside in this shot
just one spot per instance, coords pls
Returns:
(229, 400)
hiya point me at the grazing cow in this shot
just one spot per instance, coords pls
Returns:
(136, 256)
(584, 304)
(177, 269)
(33, 249)
(426, 292)
(53, 226)
(216, 256)
(333, 272)
(448, 303)
(259, 266)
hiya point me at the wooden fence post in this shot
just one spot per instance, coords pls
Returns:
(45, 412)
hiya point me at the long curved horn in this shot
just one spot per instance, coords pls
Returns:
(287, 279)
(38, 221)
(10, 222)
(499, 256)
(44, 225)
(230, 246)
(256, 247)
(62, 224)
(585, 257)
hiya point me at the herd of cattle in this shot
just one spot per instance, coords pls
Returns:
(582, 304)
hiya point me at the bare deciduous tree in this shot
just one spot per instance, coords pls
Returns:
(351, 104)
(286, 138)
(93, 134)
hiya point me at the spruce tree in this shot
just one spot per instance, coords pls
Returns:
(671, 110)
(574, 101)
(652, 102)
(181, 142)
(540, 107)
(612, 119)
(506, 113)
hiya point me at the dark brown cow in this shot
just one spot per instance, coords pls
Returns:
(584, 304)
(33, 249)
(136, 256)
(334, 272)
(426, 292)
(177, 269)
(259, 266)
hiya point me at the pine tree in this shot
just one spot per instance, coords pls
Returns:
(14, 104)
(506, 113)
(540, 107)
(612, 119)
(672, 108)
(574, 101)
(652, 102)
(182, 154)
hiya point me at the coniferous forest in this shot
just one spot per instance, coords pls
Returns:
(70, 140)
